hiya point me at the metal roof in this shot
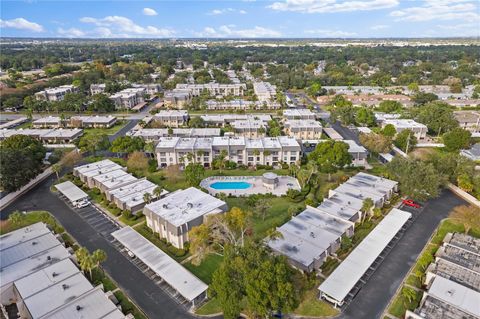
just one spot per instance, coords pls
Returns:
(71, 191)
(184, 282)
(349, 272)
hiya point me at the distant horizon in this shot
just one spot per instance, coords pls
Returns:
(248, 39)
(241, 19)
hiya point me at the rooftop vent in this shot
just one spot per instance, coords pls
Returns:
(312, 234)
(34, 243)
(65, 286)
(78, 307)
(54, 274)
(49, 258)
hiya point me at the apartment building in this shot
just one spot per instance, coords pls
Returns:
(224, 119)
(41, 280)
(55, 94)
(46, 136)
(97, 88)
(303, 129)
(177, 98)
(242, 105)
(419, 130)
(151, 89)
(171, 118)
(452, 281)
(154, 134)
(173, 216)
(316, 233)
(250, 128)
(469, 120)
(265, 91)
(75, 121)
(215, 89)
(241, 150)
(369, 99)
(298, 114)
(128, 98)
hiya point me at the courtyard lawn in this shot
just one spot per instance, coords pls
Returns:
(109, 131)
(205, 270)
(311, 306)
(210, 308)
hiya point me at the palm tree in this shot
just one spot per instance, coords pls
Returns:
(409, 294)
(15, 218)
(469, 216)
(56, 168)
(262, 207)
(99, 256)
(85, 260)
(367, 206)
(157, 192)
(147, 198)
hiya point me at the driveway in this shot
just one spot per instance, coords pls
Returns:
(345, 132)
(131, 124)
(374, 296)
(141, 289)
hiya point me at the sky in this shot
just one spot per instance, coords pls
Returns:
(240, 19)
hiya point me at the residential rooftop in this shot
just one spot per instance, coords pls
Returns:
(185, 205)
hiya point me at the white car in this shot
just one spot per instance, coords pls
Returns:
(83, 203)
(130, 254)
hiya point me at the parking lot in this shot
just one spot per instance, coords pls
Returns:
(99, 221)
(153, 276)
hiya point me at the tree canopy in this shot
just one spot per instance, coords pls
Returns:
(21, 158)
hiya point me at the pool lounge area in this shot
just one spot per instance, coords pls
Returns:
(248, 185)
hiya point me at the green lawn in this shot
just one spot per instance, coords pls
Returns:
(128, 306)
(31, 218)
(205, 270)
(311, 306)
(210, 308)
(109, 131)
(134, 220)
(400, 305)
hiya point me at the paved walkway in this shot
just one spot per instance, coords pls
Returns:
(380, 288)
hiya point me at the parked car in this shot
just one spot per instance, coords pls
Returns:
(83, 203)
(130, 254)
(411, 203)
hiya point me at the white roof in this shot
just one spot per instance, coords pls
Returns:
(303, 124)
(94, 119)
(456, 295)
(94, 304)
(114, 178)
(189, 286)
(185, 205)
(349, 272)
(63, 132)
(334, 135)
(48, 120)
(22, 235)
(71, 191)
(405, 124)
(353, 147)
(298, 113)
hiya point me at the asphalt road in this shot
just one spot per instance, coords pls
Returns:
(123, 130)
(345, 132)
(153, 300)
(374, 296)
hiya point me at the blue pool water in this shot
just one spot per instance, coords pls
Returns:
(230, 185)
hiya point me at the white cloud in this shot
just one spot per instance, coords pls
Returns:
(229, 31)
(329, 6)
(460, 30)
(217, 12)
(466, 10)
(329, 33)
(149, 12)
(126, 27)
(71, 33)
(379, 27)
(21, 24)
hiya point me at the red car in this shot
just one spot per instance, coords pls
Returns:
(411, 203)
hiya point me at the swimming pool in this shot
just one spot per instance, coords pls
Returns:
(230, 185)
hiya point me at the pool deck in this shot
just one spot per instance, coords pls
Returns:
(284, 184)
